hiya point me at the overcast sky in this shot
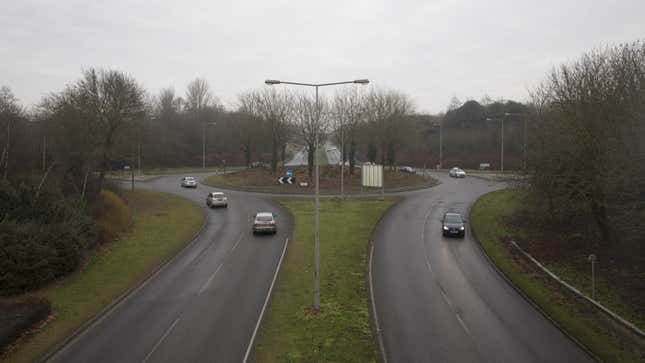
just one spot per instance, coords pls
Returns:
(430, 49)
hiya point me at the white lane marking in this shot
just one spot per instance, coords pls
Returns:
(210, 279)
(172, 326)
(441, 290)
(463, 325)
(237, 243)
(266, 302)
(376, 324)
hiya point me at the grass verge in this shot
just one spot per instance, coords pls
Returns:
(163, 223)
(608, 341)
(341, 331)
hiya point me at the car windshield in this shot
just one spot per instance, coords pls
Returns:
(264, 218)
(453, 218)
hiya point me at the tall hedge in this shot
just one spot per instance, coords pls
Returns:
(41, 237)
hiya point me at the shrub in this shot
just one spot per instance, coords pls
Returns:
(112, 216)
(41, 238)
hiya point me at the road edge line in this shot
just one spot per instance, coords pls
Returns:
(266, 303)
(377, 327)
(108, 309)
(522, 293)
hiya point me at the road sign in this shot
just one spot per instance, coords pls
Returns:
(372, 176)
(289, 173)
(286, 180)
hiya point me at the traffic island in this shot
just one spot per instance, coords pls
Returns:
(341, 331)
(296, 180)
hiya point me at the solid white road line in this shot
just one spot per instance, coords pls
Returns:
(172, 326)
(266, 302)
(379, 336)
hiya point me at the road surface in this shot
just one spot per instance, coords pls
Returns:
(440, 300)
(205, 304)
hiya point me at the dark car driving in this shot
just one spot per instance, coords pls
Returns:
(453, 224)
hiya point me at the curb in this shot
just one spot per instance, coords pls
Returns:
(107, 310)
(376, 328)
(524, 295)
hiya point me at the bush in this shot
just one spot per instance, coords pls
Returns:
(112, 216)
(41, 239)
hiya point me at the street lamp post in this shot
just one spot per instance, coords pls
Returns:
(270, 82)
(204, 143)
(502, 139)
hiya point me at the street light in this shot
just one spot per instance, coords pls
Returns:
(204, 143)
(506, 114)
(271, 82)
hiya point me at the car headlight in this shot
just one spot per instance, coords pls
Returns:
(461, 228)
(445, 228)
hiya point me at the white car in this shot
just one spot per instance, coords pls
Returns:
(216, 199)
(457, 173)
(189, 182)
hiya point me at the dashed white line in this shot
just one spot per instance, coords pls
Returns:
(463, 325)
(237, 243)
(172, 326)
(210, 279)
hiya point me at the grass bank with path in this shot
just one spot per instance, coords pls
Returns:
(162, 225)
(341, 332)
(491, 221)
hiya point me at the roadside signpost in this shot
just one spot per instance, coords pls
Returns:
(286, 180)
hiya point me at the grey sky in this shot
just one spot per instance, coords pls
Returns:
(430, 49)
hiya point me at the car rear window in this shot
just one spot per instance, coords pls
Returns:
(264, 218)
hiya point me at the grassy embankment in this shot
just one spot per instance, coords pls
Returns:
(163, 223)
(341, 331)
(490, 218)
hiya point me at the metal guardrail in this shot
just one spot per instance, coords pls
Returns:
(595, 303)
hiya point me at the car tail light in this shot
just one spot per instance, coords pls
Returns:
(272, 222)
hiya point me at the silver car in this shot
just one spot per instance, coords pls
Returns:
(264, 222)
(189, 182)
(216, 199)
(457, 173)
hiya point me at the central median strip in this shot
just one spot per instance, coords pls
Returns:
(163, 224)
(341, 331)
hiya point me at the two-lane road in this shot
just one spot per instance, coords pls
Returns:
(439, 300)
(205, 304)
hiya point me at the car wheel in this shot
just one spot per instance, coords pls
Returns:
(225, 205)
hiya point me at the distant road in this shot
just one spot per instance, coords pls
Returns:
(440, 300)
(205, 304)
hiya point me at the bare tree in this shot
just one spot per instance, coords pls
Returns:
(10, 110)
(103, 105)
(312, 122)
(385, 110)
(589, 130)
(273, 108)
(348, 111)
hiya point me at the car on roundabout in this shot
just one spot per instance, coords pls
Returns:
(216, 199)
(457, 173)
(189, 182)
(453, 225)
(264, 222)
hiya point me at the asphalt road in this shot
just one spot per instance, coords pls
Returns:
(205, 304)
(439, 299)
